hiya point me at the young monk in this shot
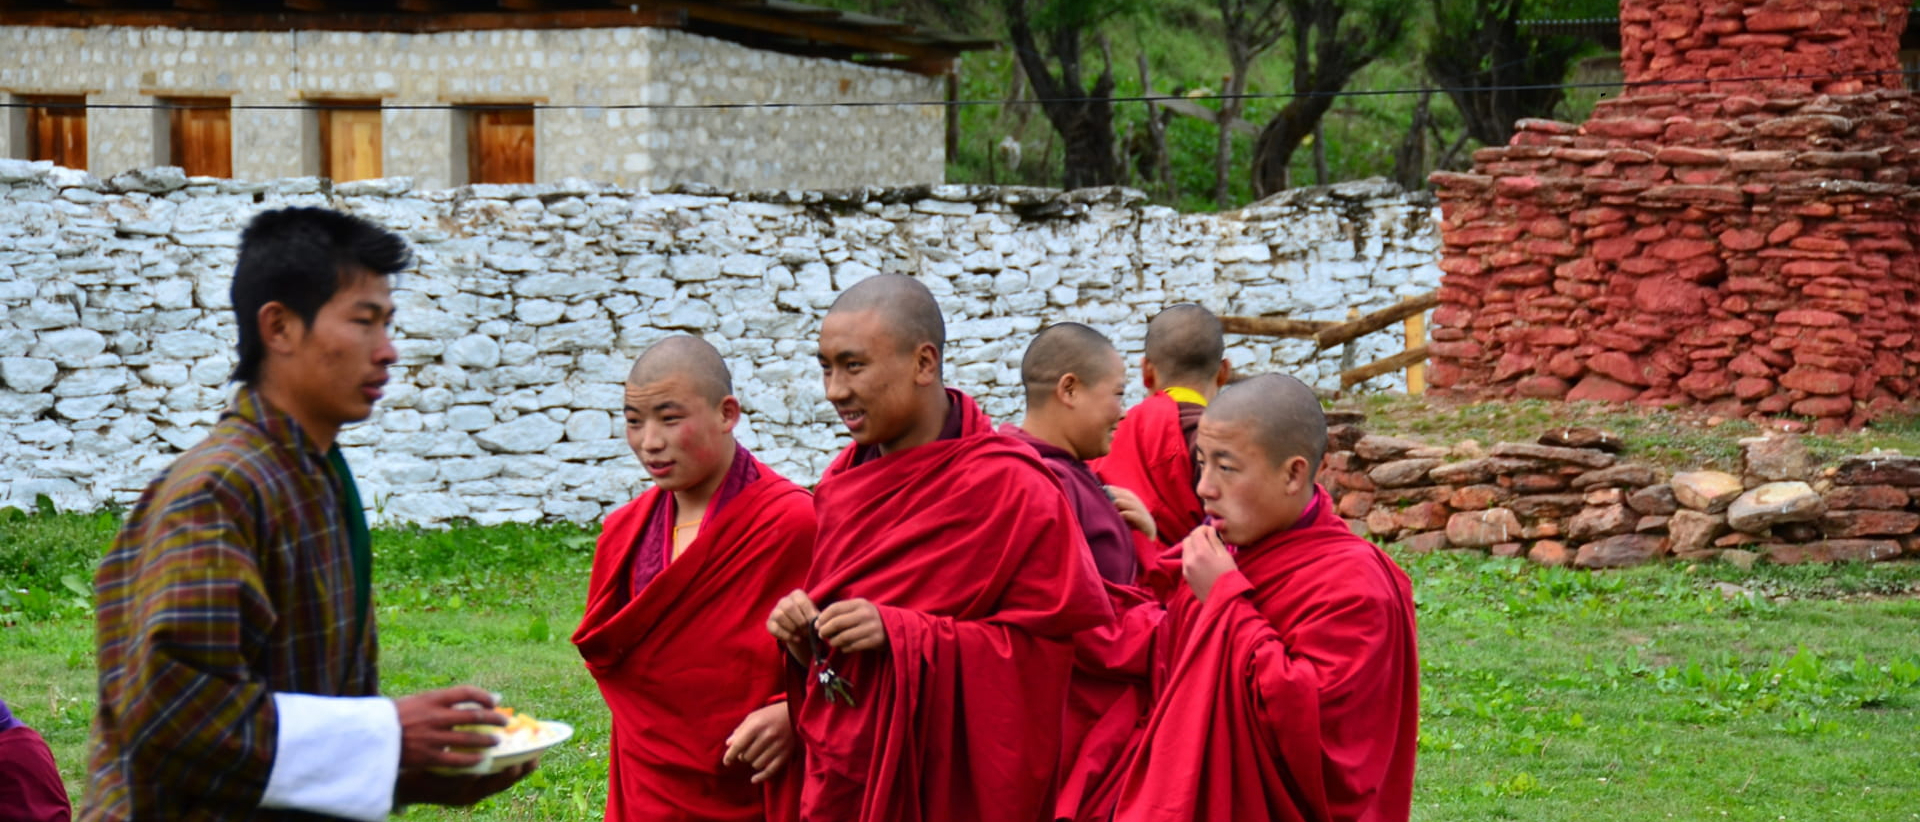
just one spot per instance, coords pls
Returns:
(1183, 369)
(672, 630)
(1075, 380)
(947, 579)
(1293, 692)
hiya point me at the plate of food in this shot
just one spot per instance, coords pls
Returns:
(523, 739)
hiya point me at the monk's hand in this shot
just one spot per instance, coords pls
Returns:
(852, 625)
(1133, 511)
(460, 790)
(792, 623)
(427, 722)
(763, 742)
(1204, 559)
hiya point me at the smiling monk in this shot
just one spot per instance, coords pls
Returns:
(1294, 685)
(1075, 381)
(680, 578)
(947, 580)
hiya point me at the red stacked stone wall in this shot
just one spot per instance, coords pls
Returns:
(1736, 233)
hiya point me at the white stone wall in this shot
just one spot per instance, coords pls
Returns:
(528, 305)
(584, 73)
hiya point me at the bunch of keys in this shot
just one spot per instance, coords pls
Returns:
(837, 688)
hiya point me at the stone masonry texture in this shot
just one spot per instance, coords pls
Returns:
(1735, 231)
(527, 305)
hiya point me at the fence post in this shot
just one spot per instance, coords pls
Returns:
(1348, 351)
(1416, 336)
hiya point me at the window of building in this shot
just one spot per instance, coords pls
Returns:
(57, 129)
(200, 135)
(500, 144)
(349, 139)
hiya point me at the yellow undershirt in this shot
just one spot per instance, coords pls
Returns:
(1187, 395)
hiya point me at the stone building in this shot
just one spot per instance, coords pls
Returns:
(539, 92)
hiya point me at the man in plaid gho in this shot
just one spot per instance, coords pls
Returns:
(235, 627)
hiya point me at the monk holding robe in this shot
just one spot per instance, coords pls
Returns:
(932, 638)
(1075, 381)
(1152, 455)
(1292, 683)
(681, 577)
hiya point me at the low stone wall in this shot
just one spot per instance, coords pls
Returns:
(528, 304)
(1570, 499)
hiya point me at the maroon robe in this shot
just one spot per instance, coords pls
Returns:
(1292, 692)
(686, 660)
(959, 716)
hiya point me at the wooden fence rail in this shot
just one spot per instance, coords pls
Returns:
(1327, 334)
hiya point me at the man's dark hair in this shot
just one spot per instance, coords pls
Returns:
(301, 257)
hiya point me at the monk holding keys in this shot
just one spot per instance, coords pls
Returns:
(931, 641)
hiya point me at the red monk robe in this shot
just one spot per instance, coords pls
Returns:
(1293, 692)
(968, 548)
(684, 662)
(1153, 457)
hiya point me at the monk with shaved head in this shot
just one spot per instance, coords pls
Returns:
(1292, 682)
(931, 641)
(1075, 383)
(681, 577)
(1184, 367)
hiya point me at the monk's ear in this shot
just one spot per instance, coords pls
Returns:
(1147, 376)
(926, 364)
(1299, 475)
(1221, 379)
(729, 413)
(1064, 390)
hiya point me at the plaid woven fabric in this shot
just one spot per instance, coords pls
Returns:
(232, 579)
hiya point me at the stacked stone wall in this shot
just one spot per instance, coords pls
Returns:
(1737, 234)
(1572, 498)
(528, 303)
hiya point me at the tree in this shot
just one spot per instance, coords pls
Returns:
(1046, 33)
(1495, 72)
(1332, 41)
(1250, 28)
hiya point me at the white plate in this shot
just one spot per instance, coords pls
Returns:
(506, 755)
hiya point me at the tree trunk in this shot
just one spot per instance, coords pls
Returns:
(1231, 105)
(1273, 152)
(1082, 118)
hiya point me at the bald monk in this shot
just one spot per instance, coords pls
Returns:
(932, 637)
(1293, 689)
(681, 579)
(1184, 367)
(1075, 381)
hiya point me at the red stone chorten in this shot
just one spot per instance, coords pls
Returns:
(1734, 231)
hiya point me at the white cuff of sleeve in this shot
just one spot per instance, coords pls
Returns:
(338, 756)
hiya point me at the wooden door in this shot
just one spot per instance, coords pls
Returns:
(349, 140)
(201, 135)
(500, 145)
(57, 130)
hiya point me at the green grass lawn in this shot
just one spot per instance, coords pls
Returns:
(1662, 692)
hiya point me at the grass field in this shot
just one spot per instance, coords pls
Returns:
(1675, 692)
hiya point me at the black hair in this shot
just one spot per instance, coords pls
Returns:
(301, 257)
